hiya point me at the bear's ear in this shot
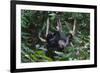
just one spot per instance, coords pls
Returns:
(49, 35)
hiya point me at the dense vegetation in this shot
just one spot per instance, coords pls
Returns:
(34, 23)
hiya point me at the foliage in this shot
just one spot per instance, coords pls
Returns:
(34, 22)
